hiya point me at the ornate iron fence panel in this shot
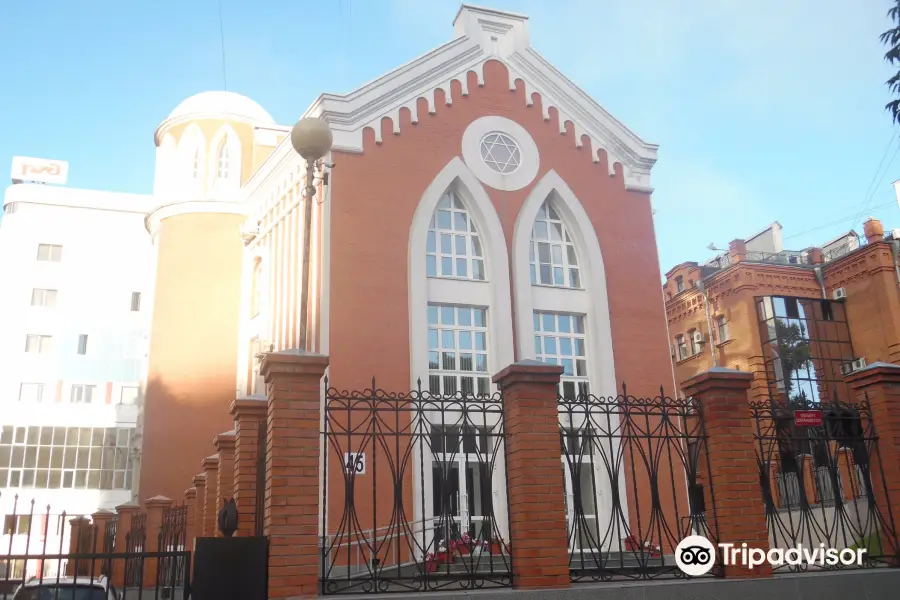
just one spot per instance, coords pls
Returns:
(414, 492)
(637, 483)
(823, 485)
(135, 545)
(172, 541)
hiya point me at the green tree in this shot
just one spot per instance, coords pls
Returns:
(891, 39)
(792, 347)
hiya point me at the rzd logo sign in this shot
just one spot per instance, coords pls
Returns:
(39, 170)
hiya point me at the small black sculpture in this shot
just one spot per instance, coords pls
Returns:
(228, 518)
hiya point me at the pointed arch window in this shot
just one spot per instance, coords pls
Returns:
(222, 163)
(453, 248)
(552, 253)
(256, 297)
(195, 167)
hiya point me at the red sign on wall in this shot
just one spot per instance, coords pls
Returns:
(808, 418)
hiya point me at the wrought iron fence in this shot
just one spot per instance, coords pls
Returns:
(415, 481)
(635, 472)
(53, 552)
(172, 540)
(824, 484)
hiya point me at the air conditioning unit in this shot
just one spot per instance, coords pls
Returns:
(840, 293)
(699, 338)
(853, 365)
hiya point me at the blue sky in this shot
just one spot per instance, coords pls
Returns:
(764, 111)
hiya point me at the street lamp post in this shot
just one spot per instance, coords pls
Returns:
(311, 139)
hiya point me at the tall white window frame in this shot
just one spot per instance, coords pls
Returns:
(225, 160)
(492, 293)
(192, 155)
(560, 339)
(222, 161)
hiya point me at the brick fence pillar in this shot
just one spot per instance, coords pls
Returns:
(536, 484)
(879, 383)
(199, 482)
(156, 508)
(101, 543)
(190, 519)
(225, 443)
(124, 514)
(248, 414)
(79, 543)
(293, 383)
(211, 500)
(739, 513)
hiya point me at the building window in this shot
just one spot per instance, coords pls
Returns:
(11, 208)
(551, 252)
(222, 161)
(42, 297)
(722, 328)
(559, 339)
(457, 350)
(827, 312)
(681, 347)
(49, 252)
(129, 395)
(65, 457)
(82, 343)
(31, 392)
(135, 301)
(83, 394)
(16, 524)
(679, 284)
(38, 344)
(500, 152)
(695, 349)
(453, 247)
(806, 351)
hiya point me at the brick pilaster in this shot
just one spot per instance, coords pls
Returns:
(199, 482)
(536, 484)
(124, 514)
(293, 384)
(879, 384)
(225, 443)
(248, 414)
(739, 515)
(190, 502)
(156, 508)
(211, 500)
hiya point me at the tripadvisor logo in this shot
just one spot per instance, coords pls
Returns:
(695, 555)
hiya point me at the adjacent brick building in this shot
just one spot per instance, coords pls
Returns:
(799, 321)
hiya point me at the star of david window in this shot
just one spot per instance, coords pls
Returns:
(500, 152)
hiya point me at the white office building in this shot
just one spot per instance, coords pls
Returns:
(76, 270)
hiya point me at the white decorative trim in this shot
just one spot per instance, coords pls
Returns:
(529, 162)
(482, 212)
(601, 366)
(154, 220)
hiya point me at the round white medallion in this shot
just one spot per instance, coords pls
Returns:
(500, 153)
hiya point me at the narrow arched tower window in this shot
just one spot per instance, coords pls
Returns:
(552, 253)
(222, 161)
(453, 247)
(195, 168)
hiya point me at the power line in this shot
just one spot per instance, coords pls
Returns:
(222, 42)
(872, 187)
(829, 224)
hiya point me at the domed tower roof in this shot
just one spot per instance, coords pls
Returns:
(217, 105)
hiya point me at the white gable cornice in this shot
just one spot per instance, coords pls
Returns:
(482, 35)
